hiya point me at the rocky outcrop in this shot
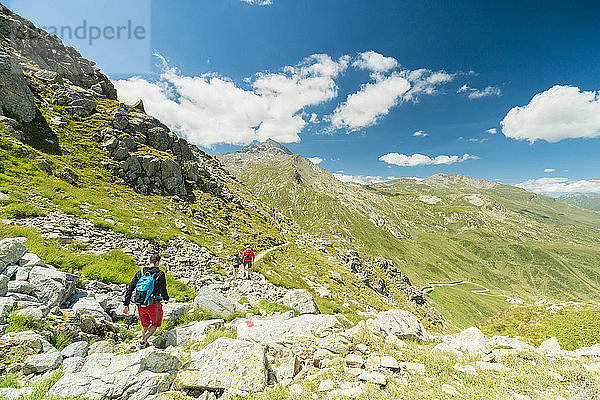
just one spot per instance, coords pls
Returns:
(226, 363)
(301, 300)
(209, 300)
(127, 376)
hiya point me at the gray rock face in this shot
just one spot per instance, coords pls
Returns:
(3, 285)
(39, 363)
(15, 96)
(399, 323)
(77, 349)
(11, 250)
(101, 346)
(15, 394)
(30, 260)
(52, 287)
(226, 363)
(22, 287)
(209, 300)
(28, 339)
(301, 300)
(91, 306)
(133, 376)
(6, 306)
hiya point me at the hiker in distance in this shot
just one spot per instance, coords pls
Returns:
(236, 261)
(248, 259)
(149, 288)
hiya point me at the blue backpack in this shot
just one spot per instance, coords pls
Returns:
(143, 291)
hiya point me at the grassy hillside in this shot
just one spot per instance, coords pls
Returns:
(224, 226)
(442, 229)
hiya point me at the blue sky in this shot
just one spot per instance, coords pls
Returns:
(230, 71)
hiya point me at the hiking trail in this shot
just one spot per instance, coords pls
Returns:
(263, 253)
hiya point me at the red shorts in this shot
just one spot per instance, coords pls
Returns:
(153, 314)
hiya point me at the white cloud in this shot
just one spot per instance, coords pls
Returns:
(362, 179)
(491, 131)
(259, 2)
(420, 159)
(373, 61)
(210, 109)
(549, 170)
(315, 160)
(561, 112)
(474, 93)
(561, 185)
(375, 99)
(420, 134)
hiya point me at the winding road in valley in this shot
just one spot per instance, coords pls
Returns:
(483, 291)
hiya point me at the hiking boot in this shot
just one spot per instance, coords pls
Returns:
(142, 345)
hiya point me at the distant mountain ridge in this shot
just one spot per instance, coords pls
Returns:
(591, 201)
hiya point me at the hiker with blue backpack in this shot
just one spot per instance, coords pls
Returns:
(148, 288)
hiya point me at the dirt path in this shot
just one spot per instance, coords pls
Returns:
(267, 251)
(484, 291)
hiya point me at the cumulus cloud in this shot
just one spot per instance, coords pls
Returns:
(491, 131)
(375, 62)
(315, 160)
(375, 99)
(561, 112)
(210, 108)
(549, 170)
(474, 93)
(362, 179)
(419, 159)
(561, 185)
(420, 134)
(259, 2)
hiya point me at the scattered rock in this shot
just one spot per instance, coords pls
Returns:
(77, 349)
(12, 250)
(301, 300)
(399, 323)
(450, 390)
(209, 300)
(39, 363)
(101, 346)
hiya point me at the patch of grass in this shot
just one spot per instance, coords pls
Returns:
(20, 323)
(102, 224)
(275, 307)
(575, 325)
(22, 210)
(41, 388)
(9, 381)
(61, 339)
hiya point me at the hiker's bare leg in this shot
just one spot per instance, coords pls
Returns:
(149, 331)
(144, 330)
(235, 273)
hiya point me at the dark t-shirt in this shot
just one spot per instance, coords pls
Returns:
(160, 283)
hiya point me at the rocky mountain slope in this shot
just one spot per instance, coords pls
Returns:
(96, 186)
(76, 343)
(445, 228)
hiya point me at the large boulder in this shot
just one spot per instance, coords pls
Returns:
(301, 300)
(11, 250)
(471, 341)
(39, 363)
(30, 260)
(226, 364)
(399, 323)
(302, 330)
(15, 96)
(186, 334)
(209, 300)
(28, 339)
(77, 349)
(133, 376)
(91, 306)
(52, 287)
(551, 347)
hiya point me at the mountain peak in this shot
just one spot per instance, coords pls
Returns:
(266, 145)
(444, 180)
